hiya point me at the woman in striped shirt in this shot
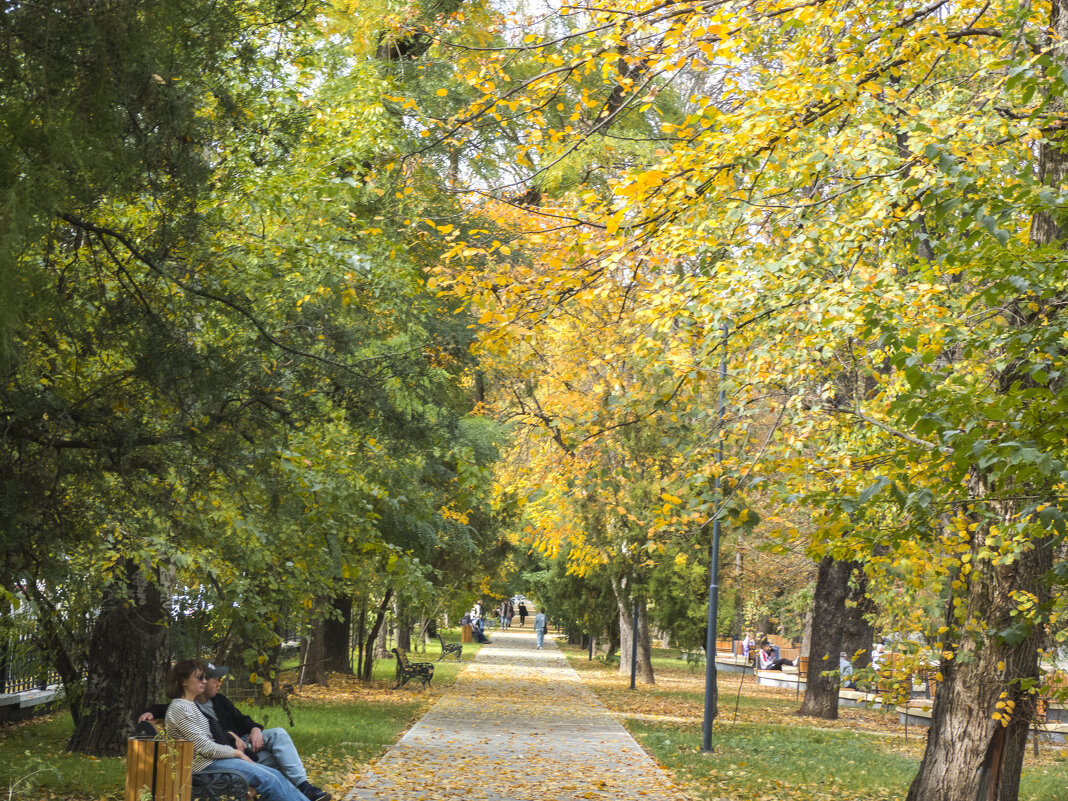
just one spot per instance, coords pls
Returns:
(185, 720)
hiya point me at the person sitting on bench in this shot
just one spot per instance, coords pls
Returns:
(478, 632)
(186, 720)
(766, 658)
(273, 748)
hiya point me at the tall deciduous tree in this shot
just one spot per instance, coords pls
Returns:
(875, 194)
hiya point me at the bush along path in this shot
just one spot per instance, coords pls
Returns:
(517, 725)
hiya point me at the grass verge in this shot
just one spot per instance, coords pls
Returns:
(764, 751)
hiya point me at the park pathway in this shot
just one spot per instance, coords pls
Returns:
(518, 725)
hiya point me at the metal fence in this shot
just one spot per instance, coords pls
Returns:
(22, 666)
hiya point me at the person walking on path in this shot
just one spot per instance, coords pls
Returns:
(509, 613)
(522, 614)
(540, 623)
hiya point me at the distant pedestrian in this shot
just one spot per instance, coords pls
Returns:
(509, 613)
(845, 670)
(522, 614)
(747, 645)
(540, 623)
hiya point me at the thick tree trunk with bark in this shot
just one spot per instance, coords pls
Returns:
(127, 660)
(644, 672)
(857, 631)
(828, 614)
(970, 756)
(336, 635)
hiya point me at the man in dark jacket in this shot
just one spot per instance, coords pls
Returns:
(230, 726)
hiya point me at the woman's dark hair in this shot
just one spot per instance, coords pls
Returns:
(179, 673)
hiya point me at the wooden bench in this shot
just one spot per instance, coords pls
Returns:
(450, 648)
(150, 771)
(424, 671)
(790, 653)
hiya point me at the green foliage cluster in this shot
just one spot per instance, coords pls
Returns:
(221, 367)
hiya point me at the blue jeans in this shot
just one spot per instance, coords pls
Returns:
(541, 636)
(268, 782)
(278, 752)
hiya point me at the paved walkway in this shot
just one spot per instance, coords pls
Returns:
(518, 725)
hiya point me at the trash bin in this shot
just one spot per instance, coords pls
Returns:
(465, 633)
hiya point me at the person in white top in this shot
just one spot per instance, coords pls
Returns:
(186, 720)
(877, 656)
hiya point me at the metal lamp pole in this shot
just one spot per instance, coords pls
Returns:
(713, 583)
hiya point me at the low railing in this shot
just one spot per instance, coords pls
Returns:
(23, 667)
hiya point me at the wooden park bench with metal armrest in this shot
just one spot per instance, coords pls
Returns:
(449, 648)
(424, 671)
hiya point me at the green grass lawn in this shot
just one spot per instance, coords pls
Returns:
(336, 729)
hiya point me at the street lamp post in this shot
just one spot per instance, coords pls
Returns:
(713, 583)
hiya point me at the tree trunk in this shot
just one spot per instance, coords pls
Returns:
(613, 643)
(372, 637)
(361, 633)
(314, 658)
(828, 613)
(382, 641)
(858, 632)
(336, 635)
(127, 660)
(404, 627)
(970, 756)
(644, 673)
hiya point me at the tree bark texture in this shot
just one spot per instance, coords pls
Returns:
(404, 627)
(970, 756)
(336, 634)
(314, 657)
(126, 660)
(857, 630)
(828, 616)
(644, 672)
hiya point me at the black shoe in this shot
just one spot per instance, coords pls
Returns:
(313, 793)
